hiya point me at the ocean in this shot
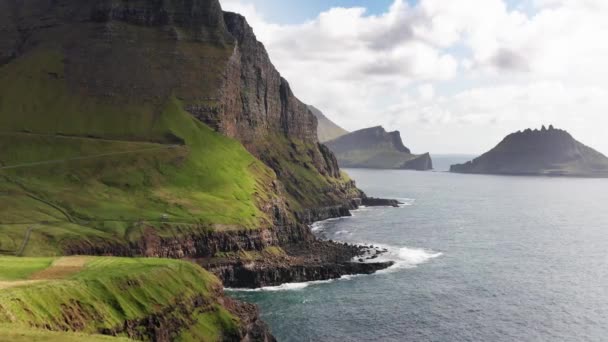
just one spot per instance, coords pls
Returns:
(478, 258)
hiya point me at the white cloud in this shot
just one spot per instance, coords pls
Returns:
(469, 70)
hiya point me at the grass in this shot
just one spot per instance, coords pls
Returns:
(95, 294)
(208, 182)
(14, 268)
(9, 333)
(305, 185)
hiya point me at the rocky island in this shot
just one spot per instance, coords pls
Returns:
(375, 148)
(547, 152)
(154, 130)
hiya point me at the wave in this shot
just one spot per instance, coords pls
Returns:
(405, 257)
(406, 202)
(293, 286)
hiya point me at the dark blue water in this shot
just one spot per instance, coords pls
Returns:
(479, 258)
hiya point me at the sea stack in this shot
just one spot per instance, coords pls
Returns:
(548, 151)
(375, 148)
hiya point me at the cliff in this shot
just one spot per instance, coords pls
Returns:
(375, 148)
(326, 130)
(161, 129)
(193, 123)
(142, 299)
(549, 152)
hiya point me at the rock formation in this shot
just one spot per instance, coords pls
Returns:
(375, 148)
(326, 130)
(548, 152)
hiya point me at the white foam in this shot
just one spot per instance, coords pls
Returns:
(405, 257)
(406, 202)
(292, 286)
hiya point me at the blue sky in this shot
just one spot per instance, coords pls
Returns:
(290, 12)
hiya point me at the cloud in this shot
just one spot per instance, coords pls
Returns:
(467, 70)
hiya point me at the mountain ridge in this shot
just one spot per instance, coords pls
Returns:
(376, 148)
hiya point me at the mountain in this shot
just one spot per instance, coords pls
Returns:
(160, 129)
(375, 148)
(550, 152)
(326, 130)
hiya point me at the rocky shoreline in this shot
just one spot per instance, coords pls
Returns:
(309, 259)
(322, 260)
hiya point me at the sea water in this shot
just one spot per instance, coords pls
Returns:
(477, 258)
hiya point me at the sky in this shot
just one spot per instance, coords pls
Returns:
(452, 76)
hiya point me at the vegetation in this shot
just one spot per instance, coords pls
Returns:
(305, 185)
(9, 333)
(99, 172)
(96, 294)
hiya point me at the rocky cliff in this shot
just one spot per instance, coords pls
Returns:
(158, 128)
(375, 148)
(550, 152)
(326, 130)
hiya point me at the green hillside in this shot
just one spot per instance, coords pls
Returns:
(97, 295)
(72, 177)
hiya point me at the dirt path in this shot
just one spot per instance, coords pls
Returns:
(62, 268)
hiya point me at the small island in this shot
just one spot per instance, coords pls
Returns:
(375, 148)
(546, 152)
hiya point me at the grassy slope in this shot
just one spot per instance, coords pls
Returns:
(211, 180)
(8, 333)
(306, 187)
(102, 293)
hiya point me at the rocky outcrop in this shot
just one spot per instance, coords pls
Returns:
(251, 275)
(320, 260)
(548, 152)
(422, 162)
(379, 202)
(376, 148)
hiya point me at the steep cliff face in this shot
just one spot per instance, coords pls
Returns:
(126, 71)
(551, 152)
(275, 126)
(377, 149)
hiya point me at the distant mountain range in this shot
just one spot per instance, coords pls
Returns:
(551, 152)
(376, 148)
(326, 130)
